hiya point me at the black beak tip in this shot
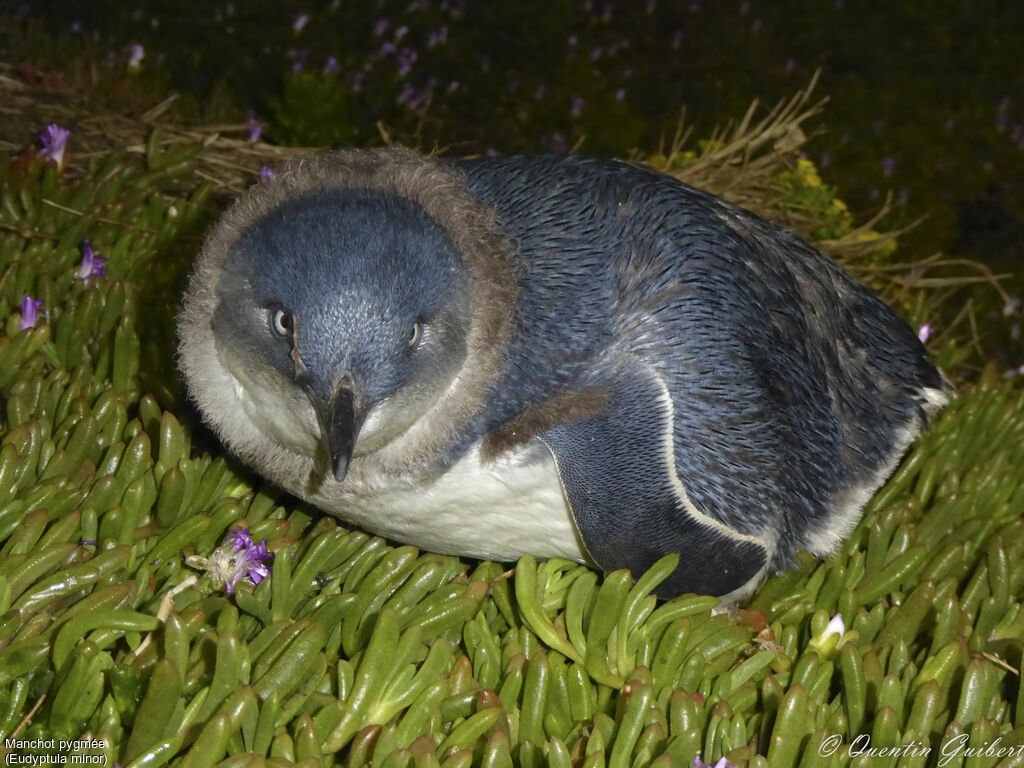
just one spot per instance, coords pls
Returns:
(338, 426)
(341, 431)
(340, 464)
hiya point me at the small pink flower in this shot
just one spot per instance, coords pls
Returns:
(924, 332)
(266, 173)
(332, 67)
(30, 311)
(92, 265)
(300, 21)
(55, 140)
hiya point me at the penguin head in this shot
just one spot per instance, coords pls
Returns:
(341, 316)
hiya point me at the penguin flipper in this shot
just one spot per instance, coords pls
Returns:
(619, 478)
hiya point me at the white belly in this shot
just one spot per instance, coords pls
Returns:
(507, 508)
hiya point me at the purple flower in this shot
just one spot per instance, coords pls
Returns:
(30, 311)
(437, 37)
(888, 165)
(239, 556)
(381, 26)
(406, 58)
(332, 67)
(255, 129)
(300, 21)
(924, 331)
(620, 94)
(266, 173)
(698, 763)
(55, 141)
(401, 32)
(240, 538)
(136, 53)
(409, 95)
(92, 265)
(298, 57)
(577, 105)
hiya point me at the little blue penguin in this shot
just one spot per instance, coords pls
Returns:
(554, 355)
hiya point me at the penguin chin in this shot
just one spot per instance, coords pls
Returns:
(275, 406)
(392, 417)
(432, 377)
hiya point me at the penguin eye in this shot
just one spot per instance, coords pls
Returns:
(415, 335)
(280, 322)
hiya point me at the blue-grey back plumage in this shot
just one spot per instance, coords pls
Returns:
(683, 375)
(782, 368)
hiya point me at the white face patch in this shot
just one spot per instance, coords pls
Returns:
(275, 407)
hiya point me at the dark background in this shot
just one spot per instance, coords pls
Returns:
(926, 98)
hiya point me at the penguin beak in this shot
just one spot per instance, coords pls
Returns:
(341, 430)
(340, 421)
